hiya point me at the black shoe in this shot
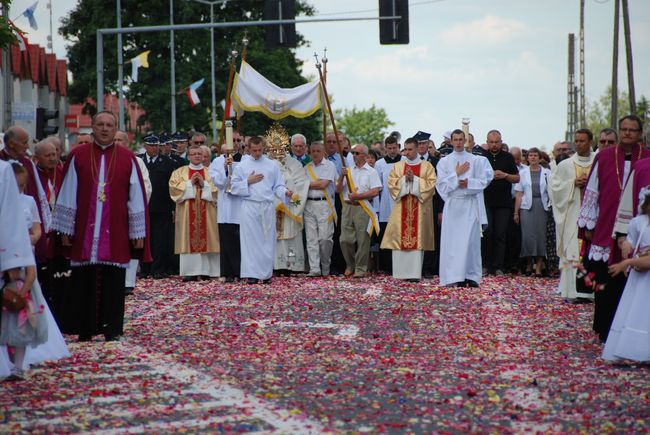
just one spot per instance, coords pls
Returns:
(470, 283)
(461, 284)
(128, 291)
(159, 275)
(111, 337)
(205, 278)
(83, 338)
(252, 281)
(190, 278)
(266, 281)
(229, 279)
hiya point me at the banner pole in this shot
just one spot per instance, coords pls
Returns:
(226, 109)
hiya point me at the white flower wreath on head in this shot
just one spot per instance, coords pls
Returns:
(645, 191)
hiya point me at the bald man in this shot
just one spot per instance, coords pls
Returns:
(16, 141)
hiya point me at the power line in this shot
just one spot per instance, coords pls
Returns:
(363, 11)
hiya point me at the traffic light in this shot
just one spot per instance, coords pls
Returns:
(283, 35)
(394, 31)
(43, 116)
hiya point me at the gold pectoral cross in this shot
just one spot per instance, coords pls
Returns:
(102, 194)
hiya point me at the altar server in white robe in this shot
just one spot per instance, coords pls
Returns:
(462, 177)
(410, 228)
(228, 211)
(565, 188)
(257, 180)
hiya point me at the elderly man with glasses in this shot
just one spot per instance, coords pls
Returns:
(359, 185)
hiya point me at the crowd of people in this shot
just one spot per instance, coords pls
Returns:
(91, 222)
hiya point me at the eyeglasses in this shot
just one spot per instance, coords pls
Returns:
(355, 153)
(606, 141)
(629, 130)
(199, 142)
(238, 140)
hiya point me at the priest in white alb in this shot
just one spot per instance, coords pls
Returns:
(290, 251)
(566, 188)
(257, 180)
(196, 236)
(462, 177)
(409, 232)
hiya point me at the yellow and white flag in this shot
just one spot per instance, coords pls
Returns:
(141, 60)
(252, 92)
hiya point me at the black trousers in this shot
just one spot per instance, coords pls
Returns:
(162, 247)
(230, 256)
(337, 265)
(385, 255)
(96, 300)
(494, 238)
(605, 299)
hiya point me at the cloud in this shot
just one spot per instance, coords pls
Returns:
(489, 30)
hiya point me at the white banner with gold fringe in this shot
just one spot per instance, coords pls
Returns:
(252, 92)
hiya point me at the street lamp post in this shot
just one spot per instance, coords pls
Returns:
(212, 78)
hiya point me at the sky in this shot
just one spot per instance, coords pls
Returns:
(501, 63)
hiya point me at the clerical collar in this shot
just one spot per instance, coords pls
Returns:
(415, 161)
(395, 159)
(199, 166)
(103, 147)
(583, 159)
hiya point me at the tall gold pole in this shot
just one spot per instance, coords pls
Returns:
(329, 110)
(325, 82)
(233, 58)
(243, 59)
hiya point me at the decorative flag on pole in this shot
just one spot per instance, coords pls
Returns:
(29, 14)
(141, 60)
(231, 112)
(191, 92)
(22, 41)
(254, 93)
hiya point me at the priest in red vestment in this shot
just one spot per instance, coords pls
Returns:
(101, 213)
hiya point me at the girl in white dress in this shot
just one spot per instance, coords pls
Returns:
(629, 336)
(33, 335)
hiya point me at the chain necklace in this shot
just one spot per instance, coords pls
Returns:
(101, 195)
(618, 174)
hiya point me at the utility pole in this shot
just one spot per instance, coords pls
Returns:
(173, 65)
(583, 110)
(628, 55)
(7, 95)
(571, 94)
(50, 40)
(614, 107)
(120, 69)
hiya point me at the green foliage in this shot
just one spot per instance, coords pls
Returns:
(599, 111)
(192, 54)
(363, 125)
(7, 32)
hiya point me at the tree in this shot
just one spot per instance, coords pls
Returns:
(363, 125)
(7, 30)
(598, 112)
(192, 54)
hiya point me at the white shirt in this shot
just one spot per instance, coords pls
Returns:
(385, 201)
(228, 205)
(364, 178)
(325, 170)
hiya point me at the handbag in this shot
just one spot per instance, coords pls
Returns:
(12, 301)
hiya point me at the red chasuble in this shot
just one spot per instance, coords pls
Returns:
(410, 213)
(198, 217)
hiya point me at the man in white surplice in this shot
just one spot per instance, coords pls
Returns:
(257, 180)
(565, 189)
(462, 177)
